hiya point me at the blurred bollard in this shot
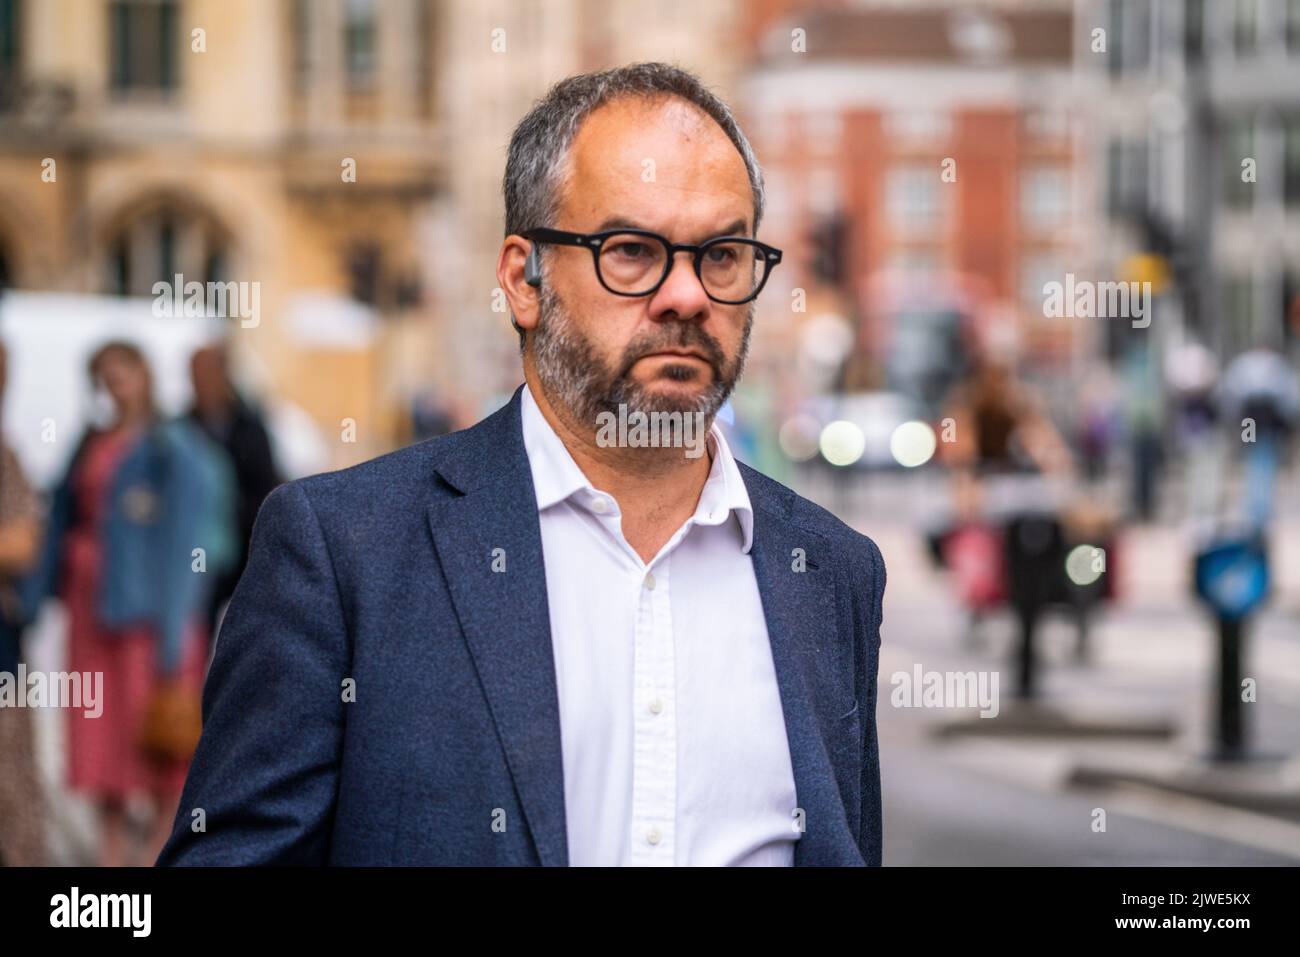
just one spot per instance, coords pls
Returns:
(1232, 577)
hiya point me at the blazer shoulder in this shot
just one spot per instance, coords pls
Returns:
(773, 495)
(386, 478)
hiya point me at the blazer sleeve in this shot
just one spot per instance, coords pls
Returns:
(870, 615)
(261, 789)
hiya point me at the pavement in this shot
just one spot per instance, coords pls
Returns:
(964, 790)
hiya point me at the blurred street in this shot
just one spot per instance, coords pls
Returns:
(1003, 800)
(1035, 330)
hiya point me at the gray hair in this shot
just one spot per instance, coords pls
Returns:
(539, 147)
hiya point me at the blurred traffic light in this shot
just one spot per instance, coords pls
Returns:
(828, 241)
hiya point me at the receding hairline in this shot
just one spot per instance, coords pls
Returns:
(648, 100)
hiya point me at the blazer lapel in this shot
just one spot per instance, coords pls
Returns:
(813, 670)
(489, 544)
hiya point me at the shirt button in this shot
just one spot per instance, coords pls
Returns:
(656, 706)
(650, 581)
(599, 506)
(653, 836)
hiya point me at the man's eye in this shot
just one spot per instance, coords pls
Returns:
(632, 250)
(721, 254)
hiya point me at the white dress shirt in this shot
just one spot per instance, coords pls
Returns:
(671, 727)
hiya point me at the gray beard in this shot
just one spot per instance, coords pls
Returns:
(575, 379)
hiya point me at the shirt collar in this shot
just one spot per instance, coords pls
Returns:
(556, 477)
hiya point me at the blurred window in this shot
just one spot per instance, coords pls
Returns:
(156, 242)
(1194, 30)
(913, 198)
(823, 185)
(9, 52)
(144, 40)
(1245, 27)
(423, 78)
(924, 261)
(1128, 36)
(359, 35)
(1293, 27)
(1238, 145)
(1139, 27)
(1126, 176)
(1115, 37)
(824, 129)
(302, 29)
(365, 270)
(1291, 307)
(1045, 198)
(1036, 271)
(1291, 172)
(1238, 314)
(1047, 125)
(918, 126)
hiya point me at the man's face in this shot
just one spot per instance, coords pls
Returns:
(666, 167)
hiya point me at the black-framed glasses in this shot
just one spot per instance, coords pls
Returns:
(635, 262)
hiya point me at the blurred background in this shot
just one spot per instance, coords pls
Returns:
(1098, 508)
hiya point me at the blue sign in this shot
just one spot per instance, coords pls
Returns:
(1232, 577)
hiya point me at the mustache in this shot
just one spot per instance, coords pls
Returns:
(680, 336)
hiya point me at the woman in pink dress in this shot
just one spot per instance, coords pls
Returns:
(107, 484)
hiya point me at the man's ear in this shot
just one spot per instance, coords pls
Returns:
(512, 276)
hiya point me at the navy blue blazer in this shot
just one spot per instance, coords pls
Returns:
(379, 579)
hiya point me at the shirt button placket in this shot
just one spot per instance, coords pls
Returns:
(654, 783)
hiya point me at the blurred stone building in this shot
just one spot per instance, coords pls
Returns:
(1196, 107)
(141, 139)
(344, 154)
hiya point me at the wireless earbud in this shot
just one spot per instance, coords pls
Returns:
(533, 268)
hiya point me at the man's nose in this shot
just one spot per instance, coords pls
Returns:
(681, 292)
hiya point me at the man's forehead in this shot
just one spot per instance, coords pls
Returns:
(643, 154)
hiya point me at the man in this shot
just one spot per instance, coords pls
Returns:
(537, 641)
(223, 414)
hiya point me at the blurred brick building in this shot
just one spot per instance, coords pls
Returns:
(937, 141)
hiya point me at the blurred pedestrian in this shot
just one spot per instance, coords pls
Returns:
(22, 841)
(1000, 435)
(1144, 410)
(127, 523)
(1000, 428)
(237, 427)
(1260, 398)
